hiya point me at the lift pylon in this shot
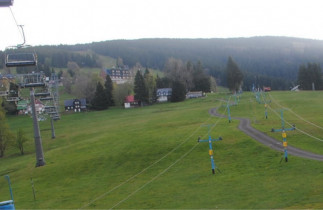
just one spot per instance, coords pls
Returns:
(210, 140)
(284, 135)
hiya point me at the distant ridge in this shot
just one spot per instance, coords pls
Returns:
(266, 57)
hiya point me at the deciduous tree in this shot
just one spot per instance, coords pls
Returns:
(20, 140)
(150, 84)
(5, 134)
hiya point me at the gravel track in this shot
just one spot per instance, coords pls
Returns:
(245, 126)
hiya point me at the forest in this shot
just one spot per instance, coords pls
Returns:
(264, 61)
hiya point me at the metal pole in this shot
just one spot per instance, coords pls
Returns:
(53, 129)
(211, 155)
(40, 161)
(9, 183)
(229, 114)
(282, 118)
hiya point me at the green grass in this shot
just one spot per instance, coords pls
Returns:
(94, 152)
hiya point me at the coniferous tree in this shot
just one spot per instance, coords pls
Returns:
(234, 75)
(108, 90)
(140, 88)
(200, 79)
(178, 91)
(100, 101)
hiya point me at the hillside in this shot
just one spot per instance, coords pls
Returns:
(149, 158)
(272, 61)
(279, 57)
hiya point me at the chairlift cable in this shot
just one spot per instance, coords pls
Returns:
(297, 127)
(296, 114)
(155, 177)
(161, 173)
(145, 169)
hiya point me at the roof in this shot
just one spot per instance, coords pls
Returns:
(129, 99)
(164, 92)
(8, 76)
(70, 102)
(22, 104)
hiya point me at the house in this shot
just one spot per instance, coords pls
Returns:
(39, 106)
(118, 75)
(130, 102)
(164, 94)
(195, 94)
(22, 106)
(76, 105)
(5, 83)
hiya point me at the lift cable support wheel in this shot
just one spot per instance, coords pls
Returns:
(284, 135)
(210, 140)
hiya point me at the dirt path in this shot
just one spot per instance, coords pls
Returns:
(245, 126)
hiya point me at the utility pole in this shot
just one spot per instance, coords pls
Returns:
(284, 135)
(210, 140)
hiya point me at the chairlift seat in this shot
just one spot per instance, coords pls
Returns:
(7, 205)
(46, 98)
(30, 85)
(6, 3)
(42, 94)
(21, 59)
(52, 113)
(12, 99)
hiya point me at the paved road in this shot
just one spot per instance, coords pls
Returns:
(245, 126)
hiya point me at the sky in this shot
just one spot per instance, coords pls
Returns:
(53, 22)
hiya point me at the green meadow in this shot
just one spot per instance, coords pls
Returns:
(149, 158)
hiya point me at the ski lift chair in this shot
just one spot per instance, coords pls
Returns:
(6, 3)
(21, 59)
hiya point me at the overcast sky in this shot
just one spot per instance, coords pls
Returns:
(83, 21)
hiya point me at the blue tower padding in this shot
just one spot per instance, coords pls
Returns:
(284, 135)
(210, 140)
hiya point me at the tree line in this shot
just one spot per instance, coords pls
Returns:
(271, 60)
(310, 77)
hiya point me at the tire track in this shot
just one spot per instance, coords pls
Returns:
(245, 126)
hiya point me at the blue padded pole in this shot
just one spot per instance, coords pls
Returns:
(9, 183)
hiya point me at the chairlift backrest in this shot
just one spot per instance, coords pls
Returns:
(21, 59)
(6, 3)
